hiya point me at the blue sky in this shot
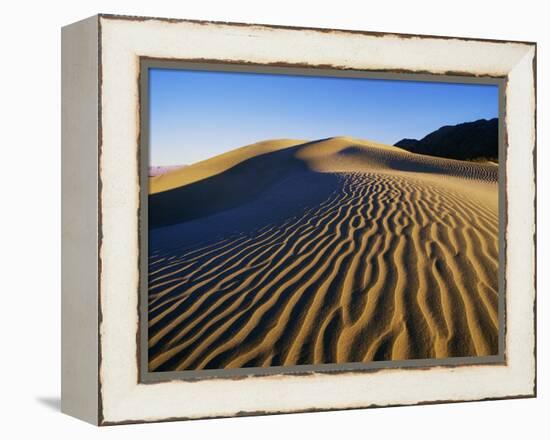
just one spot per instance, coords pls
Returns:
(195, 115)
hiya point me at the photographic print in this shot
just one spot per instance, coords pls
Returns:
(320, 220)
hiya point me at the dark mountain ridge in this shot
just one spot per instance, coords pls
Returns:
(467, 141)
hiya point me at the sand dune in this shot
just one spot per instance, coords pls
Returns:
(215, 165)
(339, 250)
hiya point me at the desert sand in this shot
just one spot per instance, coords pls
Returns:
(289, 252)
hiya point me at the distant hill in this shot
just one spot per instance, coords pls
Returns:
(468, 141)
(155, 171)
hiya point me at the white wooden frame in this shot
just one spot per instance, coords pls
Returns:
(101, 193)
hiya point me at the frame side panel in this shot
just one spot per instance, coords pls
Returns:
(79, 200)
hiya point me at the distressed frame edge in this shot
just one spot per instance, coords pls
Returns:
(314, 410)
(101, 419)
(129, 17)
(532, 153)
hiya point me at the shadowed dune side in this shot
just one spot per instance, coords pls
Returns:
(356, 252)
(275, 205)
(216, 192)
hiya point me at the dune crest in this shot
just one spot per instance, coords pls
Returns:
(216, 164)
(331, 251)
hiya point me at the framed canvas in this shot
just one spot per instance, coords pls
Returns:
(265, 219)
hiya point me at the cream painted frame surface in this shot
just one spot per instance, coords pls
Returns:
(100, 361)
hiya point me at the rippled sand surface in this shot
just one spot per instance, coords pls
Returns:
(338, 250)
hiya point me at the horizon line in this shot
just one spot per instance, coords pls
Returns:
(179, 164)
